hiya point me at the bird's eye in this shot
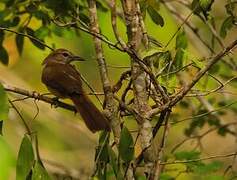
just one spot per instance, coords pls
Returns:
(65, 54)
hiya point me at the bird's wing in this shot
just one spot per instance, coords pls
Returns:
(63, 78)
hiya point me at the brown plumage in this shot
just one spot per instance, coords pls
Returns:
(64, 81)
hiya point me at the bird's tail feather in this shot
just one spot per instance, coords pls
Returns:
(92, 117)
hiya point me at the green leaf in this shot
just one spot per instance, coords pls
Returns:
(165, 176)
(43, 16)
(181, 40)
(3, 15)
(84, 18)
(19, 43)
(15, 21)
(205, 4)
(208, 168)
(9, 3)
(102, 149)
(4, 106)
(4, 58)
(215, 68)
(1, 126)
(198, 122)
(230, 8)
(213, 121)
(7, 161)
(198, 63)
(101, 5)
(1, 37)
(151, 52)
(126, 146)
(143, 7)
(31, 8)
(163, 59)
(56, 30)
(196, 7)
(155, 16)
(179, 58)
(226, 25)
(25, 159)
(42, 32)
(39, 45)
(150, 56)
(222, 131)
(113, 160)
(39, 172)
(215, 177)
(187, 155)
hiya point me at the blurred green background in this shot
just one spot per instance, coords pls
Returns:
(63, 137)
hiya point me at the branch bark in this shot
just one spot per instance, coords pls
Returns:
(138, 76)
(111, 110)
(38, 96)
(180, 95)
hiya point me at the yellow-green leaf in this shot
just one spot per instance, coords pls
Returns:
(4, 58)
(126, 147)
(155, 16)
(205, 4)
(4, 106)
(39, 172)
(181, 40)
(25, 159)
(226, 25)
(7, 161)
(19, 43)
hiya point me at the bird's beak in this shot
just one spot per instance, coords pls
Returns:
(75, 58)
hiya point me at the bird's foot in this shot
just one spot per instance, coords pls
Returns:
(55, 101)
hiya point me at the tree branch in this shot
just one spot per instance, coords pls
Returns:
(200, 159)
(37, 96)
(28, 36)
(110, 103)
(180, 95)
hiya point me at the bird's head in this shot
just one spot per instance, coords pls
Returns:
(61, 56)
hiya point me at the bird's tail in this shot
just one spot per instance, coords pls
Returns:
(93, 118)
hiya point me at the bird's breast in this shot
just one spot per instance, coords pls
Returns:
(57, 93)
(62, 80)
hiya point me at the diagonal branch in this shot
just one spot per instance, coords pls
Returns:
(180, 95)
(200, 159)
(28, 36)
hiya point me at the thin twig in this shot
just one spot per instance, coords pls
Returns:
(179, 96)
(200, 159)
(114, 24)
(29, 132)
(28, 36)
(37, 96)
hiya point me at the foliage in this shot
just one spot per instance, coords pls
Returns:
(4, 106)
(126, 146)
(171, 68)
(6, 159)
(27, 166)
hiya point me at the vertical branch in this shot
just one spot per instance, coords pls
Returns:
(114, 24)
(156, 171)
(134, 33)
(111, 111)
(145, 39)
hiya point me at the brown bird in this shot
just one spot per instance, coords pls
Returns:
(64, 81)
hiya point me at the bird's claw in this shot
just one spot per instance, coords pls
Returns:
(55, 101)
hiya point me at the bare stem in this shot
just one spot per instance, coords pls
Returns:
(111, 111)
